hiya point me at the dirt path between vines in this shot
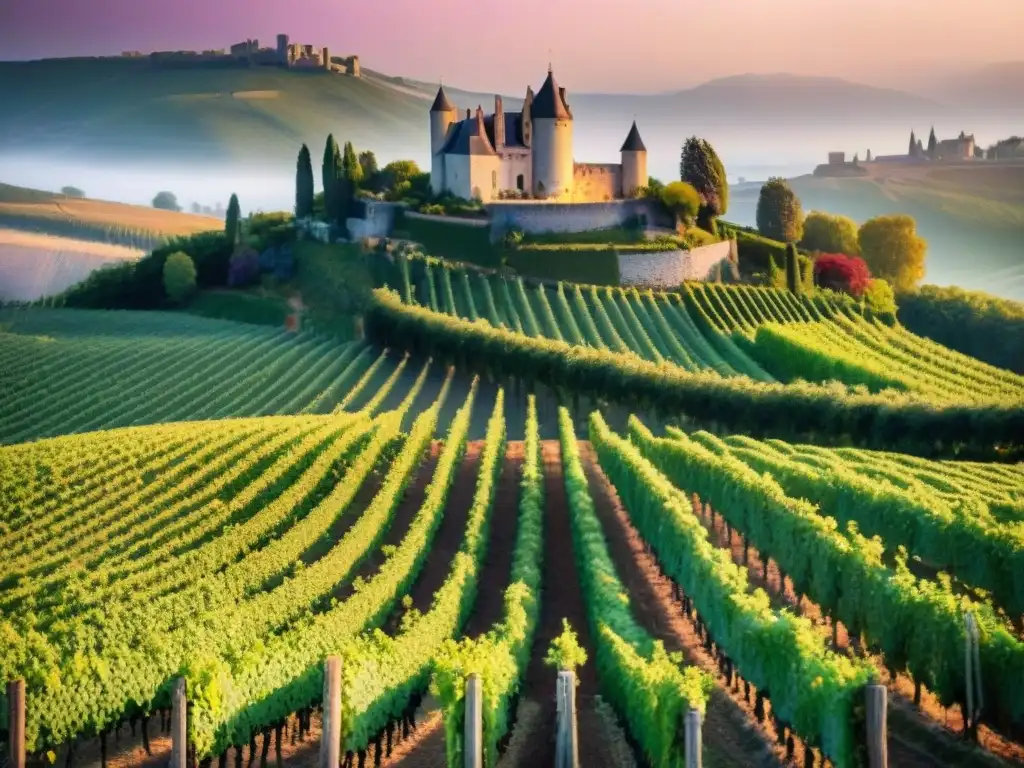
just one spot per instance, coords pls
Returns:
(730, 736)
(533, 741)
(426, 747)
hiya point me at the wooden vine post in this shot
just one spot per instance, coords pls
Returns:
(473, 744)
(877, 704)
(179, 725)
(330, 736)
(16, 724)
(566, 744)
(693, 739)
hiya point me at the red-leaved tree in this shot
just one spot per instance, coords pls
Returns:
(849, 274)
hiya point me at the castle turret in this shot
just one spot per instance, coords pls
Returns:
(282, 49)
(325, 58)
(552, 142)
(634, 163)
(442, 115)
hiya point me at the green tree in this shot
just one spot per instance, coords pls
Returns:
(700, 166)
(932, 143)
(793, 281)
(331, 173)
(913, 145)
(304, 184)
(231, 226)
(830, 233)
(779, 214)
(683, 200)
(72, 192)
(368, 164)
(179, 277)
(893, 251)
(351, 169)
(166, 201)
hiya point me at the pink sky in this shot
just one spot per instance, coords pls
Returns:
(634, 46)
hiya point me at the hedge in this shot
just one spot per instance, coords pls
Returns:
(831, 411)
(974, 323)
(139, 284)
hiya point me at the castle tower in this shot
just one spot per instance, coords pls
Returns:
(634, 163)
(442, 115)
(325, 58)
(282, 49)
(552, 142)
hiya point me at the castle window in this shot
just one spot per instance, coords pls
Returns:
(520, 182)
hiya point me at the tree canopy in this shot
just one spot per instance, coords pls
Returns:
(166, 201)
(700, 166)
(839, 272)
(779, 213)
(331, 173)
(179, 277)
(72, 192)
(231, 226)
(893, 251)
(830, 233)
(304, 184)
(351, 169)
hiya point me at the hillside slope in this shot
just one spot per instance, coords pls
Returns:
(972, 217)
(128, 109)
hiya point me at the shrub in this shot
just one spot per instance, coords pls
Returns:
(830, 233)
(839, 272)
(72, 192)
(513, 238)
(244, 268)
(179, 277)
(880, 298)
(682, 200)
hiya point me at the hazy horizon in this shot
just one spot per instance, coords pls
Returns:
(658, 46)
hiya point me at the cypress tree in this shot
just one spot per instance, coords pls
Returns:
(353, 171)
(304, 184)
(331, 172)
(932, 143)
(792, 269)
(779, 213)
(700, 166)
(231, 228)
(913, 145)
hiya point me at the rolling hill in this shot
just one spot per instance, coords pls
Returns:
(971, 216)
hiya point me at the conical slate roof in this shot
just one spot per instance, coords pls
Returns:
(441, 103)
(469, 137)
(633, 141)
(548, 101)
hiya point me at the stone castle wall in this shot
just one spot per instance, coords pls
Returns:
(667, 269)
(596, 182)
(536, 217)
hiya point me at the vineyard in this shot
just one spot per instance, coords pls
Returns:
(733, 330)
(750, 528)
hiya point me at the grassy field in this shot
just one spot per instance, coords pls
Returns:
(34, 265)
(53, 212)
